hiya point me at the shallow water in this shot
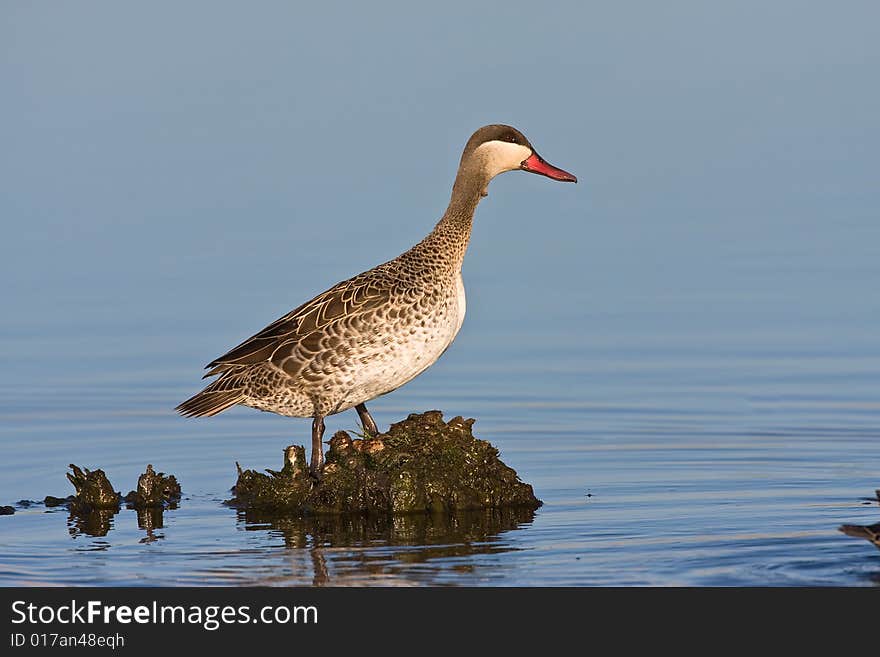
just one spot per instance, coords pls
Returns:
(700, 456)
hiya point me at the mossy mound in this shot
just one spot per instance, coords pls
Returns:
(419, 465)
(93, 491)
(154, 490)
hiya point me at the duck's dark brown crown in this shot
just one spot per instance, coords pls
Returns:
(495, 132)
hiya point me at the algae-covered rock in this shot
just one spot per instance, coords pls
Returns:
(50, 501)
(419, 465)
(289, 488)
(95, 503)
(154, 490)
(93, 491)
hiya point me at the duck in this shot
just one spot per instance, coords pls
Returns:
(370, 334)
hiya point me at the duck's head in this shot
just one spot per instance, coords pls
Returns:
(494, 149)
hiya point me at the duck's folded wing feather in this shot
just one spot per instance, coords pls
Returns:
(348, 298)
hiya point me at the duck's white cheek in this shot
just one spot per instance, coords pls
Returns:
(501, 156)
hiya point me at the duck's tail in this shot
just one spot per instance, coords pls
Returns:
(214, 399)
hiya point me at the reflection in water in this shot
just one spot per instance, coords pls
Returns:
(353, 549)
(95, 523)
(99, 522)
(150, 519)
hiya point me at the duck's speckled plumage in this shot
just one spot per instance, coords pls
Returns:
(370, 334)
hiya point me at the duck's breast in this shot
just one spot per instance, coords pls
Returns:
(408, 341)
(461, 305)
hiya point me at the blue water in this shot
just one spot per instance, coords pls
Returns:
(681, 353)
(691, 457)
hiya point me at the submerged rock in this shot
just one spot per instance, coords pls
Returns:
(51, 501)
(419, 465)
(154, 490)
(95, 503)
(93, 491)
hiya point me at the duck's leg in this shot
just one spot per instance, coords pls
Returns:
(367, 420)
(317, 464)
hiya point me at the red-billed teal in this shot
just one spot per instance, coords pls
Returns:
(372, 333)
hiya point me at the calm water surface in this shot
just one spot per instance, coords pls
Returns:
(669, 448)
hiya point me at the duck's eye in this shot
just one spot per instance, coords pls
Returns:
(511, 139)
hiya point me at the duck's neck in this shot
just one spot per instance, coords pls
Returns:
(448, 242)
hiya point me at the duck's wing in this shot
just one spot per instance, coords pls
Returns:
(349, 298)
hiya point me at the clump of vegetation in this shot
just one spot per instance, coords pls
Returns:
(95, 503)
(93, 491)
(419, 465)
(154, 490)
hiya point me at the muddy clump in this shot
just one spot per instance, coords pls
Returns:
(93, 491)
(154, 491)
(95, 503)
(50, 501)
(419, 465)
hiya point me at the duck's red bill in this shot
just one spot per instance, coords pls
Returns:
(536, 164)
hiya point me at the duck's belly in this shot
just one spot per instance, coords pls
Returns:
(402, 350)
